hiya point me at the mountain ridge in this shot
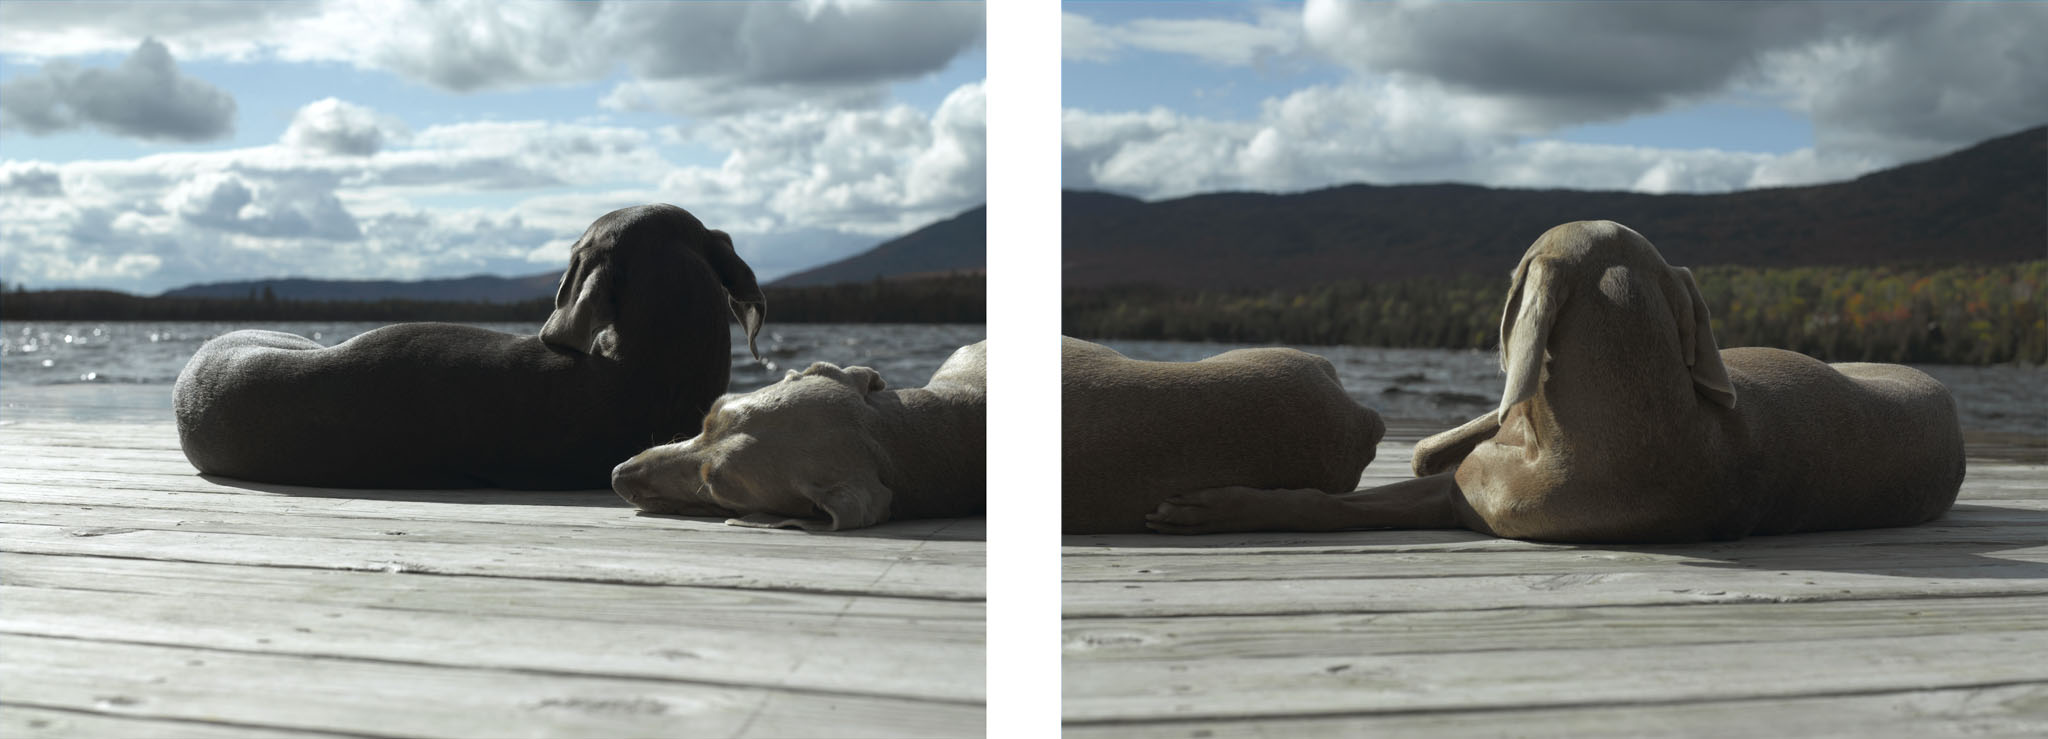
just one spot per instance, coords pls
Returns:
(954, 245)
(1979, 203)
(948, 247)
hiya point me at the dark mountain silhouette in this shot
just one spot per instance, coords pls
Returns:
(1986, 203)
(955, 245)
(479, 288)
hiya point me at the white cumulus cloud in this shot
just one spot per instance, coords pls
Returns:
(336, 126)
(1473, 92)
(145, 97)
(690, 58)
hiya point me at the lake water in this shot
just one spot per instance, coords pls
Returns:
(1454, 386)
(124, 370)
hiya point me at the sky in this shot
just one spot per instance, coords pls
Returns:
(1168, 99)
(146, 146)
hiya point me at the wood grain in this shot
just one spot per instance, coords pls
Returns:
(138, 598)
(1934, 630)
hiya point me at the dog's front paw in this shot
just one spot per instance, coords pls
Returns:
(1212, 511)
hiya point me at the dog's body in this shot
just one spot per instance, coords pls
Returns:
(829, 449)
(1133, 433)
(637, 348)
(1637, 429)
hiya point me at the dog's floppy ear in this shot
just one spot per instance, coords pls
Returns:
(1696, 339)
(584, 310)
(849, 504)
(1533, 302)
(855, 503)
(748, 305)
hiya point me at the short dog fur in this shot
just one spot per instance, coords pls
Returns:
(828, 449)
(636, 349)
(1133, 433)
(1622, 422)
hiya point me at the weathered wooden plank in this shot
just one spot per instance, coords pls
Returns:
(652, 537)
(1240, 637)
(110, 435)
(823, 653)
(1765, 561)
(159, 433)
(506, 596)
(725, 564)
(27, 722)
(27, 465)
(2013, 523)
(2010, 710)
(107, 482)
(1490, 680)
(556, 514)
(385, 699)
(21, 449)
(279, 515)
(1990, 533)
(1592, 588)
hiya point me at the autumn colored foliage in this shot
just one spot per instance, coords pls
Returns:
(1964, 314)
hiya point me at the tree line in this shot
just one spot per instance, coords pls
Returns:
(1959, 314)
(951, 299)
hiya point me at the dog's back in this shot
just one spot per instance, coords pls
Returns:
(1133, 432)
(964, 373)
(420, 405)
(1843, 446)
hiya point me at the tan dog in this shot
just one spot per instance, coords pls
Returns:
(1637, 429)
(828, 449)
(1133, 433)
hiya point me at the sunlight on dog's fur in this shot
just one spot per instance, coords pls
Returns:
(1621, 421)
(828, 449)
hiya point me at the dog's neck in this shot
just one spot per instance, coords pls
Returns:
(1587, 397)
(934, 444)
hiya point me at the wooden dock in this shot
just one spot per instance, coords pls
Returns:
(140, 599)
(1936, 630)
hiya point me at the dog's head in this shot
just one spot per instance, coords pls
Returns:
(633, 269)
(795, 453)
(1604, 257)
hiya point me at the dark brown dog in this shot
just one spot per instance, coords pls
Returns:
(636, 349)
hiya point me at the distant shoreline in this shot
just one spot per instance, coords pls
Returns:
(1968, 314)
(945, 299)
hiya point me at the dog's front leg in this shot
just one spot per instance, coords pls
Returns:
(1433, 502)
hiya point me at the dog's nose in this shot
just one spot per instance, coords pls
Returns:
(629, 476)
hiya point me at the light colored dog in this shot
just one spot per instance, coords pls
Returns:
(1637, 429)
(1133, 433)
(637, 348)
(829, 449)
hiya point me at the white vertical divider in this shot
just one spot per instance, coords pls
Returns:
(1024, 400)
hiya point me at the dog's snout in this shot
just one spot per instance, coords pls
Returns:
(630, 475)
